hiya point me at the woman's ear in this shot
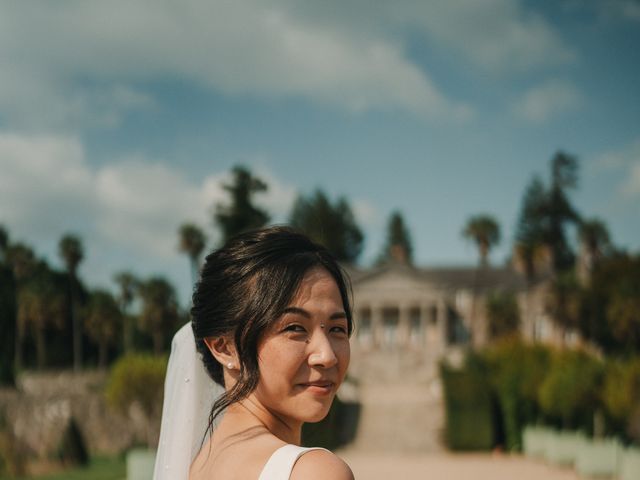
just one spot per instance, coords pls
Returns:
(224, 351)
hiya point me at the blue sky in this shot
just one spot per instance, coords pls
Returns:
(119, 121)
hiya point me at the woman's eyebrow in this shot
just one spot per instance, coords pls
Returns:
(297, 311)
(301, 311)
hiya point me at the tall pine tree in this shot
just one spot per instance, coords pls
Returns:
(241, 214)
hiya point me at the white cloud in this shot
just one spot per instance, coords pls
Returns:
(238, 48)
(499, 35)
(631, 186)
(279, 197)
(616, 9)
(366, 214)
(618, 159)
(132, 206)
(37, 169)
(546, 100)
(624, 165)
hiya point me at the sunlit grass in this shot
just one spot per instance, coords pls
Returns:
(112, 468)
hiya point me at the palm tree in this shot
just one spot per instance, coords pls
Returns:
(40, 304)
(192, 242)
(159, 313)
(71, 252)
(102, 322)
(22, 262)
(128, 285)
(485, 232)
(7, 314)
(4, 243)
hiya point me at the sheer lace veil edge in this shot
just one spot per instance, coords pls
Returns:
(189, 394)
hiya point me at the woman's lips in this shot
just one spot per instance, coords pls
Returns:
(318, 388)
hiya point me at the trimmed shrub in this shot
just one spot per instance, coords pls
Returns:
(138, 379)
(469, 409)
(570, 391)
(516, 371)
(621, 396)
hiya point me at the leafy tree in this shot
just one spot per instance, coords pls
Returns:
(7, 322)
(192, 242)
(559, 211)
(241, 214)
(545, 214)
(503, 314)
(332, 225)
(530, 227)
(159, 313)
(623, 316)
(398, 244)
(127, 283)
(102, 321)
(609, 305)
(594, 235)
(485, 232)
(22, 260)
(41, 303)
(4, 243)
(72, 253)
(563, 301)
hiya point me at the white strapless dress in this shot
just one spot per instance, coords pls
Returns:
(281, 462)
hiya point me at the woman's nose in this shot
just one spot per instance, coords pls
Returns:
(322, 352)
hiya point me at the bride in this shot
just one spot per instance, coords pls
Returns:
(271, 321)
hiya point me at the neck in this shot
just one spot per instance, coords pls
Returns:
(256, 414)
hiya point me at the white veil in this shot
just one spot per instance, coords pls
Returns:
(189, 393)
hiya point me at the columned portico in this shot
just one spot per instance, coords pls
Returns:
(401, 325)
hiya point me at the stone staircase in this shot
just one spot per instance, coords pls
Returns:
(401, 402)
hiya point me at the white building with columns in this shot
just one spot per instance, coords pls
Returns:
(407, 319)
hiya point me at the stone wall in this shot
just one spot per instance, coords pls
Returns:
(41, 406)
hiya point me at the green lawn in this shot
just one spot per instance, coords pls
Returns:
(100, 469)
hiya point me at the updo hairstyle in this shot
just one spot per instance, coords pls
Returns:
(244, 288)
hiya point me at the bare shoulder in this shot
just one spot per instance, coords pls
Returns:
(321, 465)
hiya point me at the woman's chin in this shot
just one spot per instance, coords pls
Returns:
(317, 415)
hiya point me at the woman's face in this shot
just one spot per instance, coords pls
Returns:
(303, 357)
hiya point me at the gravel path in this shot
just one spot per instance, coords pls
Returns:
(452, 467)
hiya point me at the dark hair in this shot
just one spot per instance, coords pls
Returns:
(244, 287)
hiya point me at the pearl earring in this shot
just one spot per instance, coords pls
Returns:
(230, 365)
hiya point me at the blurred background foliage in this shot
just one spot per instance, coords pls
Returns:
(510, 385)
(51, 319)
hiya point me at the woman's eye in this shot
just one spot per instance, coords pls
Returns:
(294, 328)
(339, 330)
